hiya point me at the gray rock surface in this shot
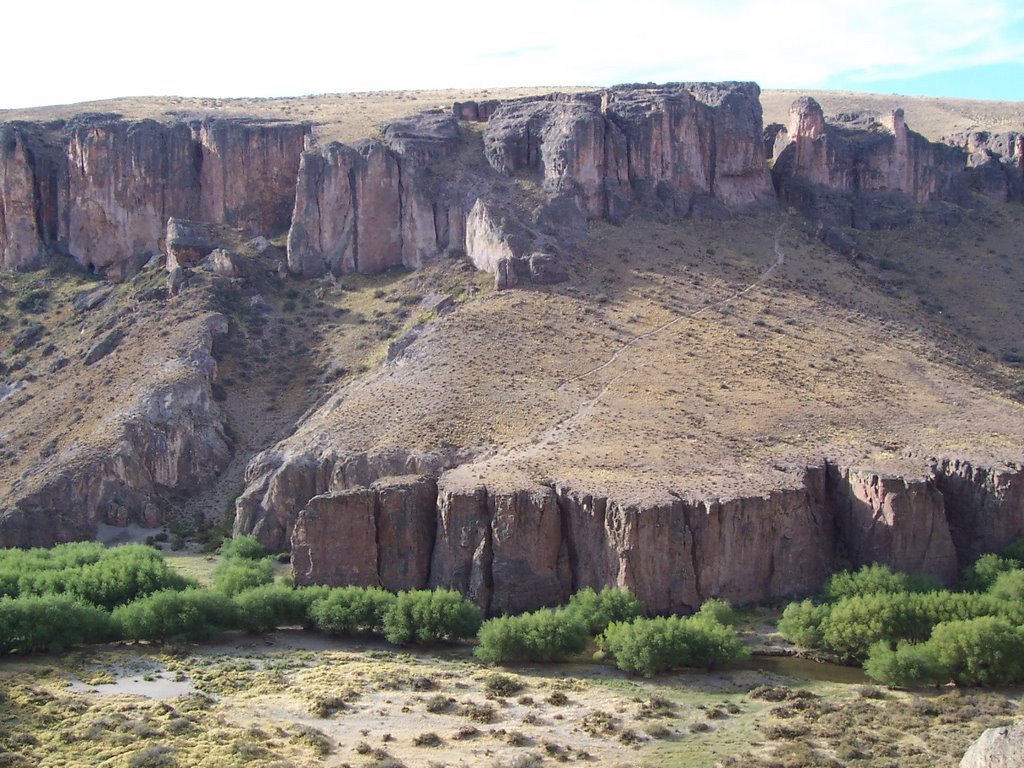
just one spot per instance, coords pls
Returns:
(997, 748)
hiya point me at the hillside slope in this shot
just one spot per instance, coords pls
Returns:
(695, 389)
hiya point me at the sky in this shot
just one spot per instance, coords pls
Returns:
(59, 52)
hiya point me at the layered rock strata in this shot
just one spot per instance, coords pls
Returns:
(517, 546)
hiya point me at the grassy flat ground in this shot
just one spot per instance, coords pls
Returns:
(348, 117)
(298, 699)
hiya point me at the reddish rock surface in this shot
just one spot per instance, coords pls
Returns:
(517, 548)
(858, 171)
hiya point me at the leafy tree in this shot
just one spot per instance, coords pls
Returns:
(984, 651)
(986, 569)
(801, 623)
(909, 665)
(344, 611)
(234, 575)
(242, 548)
(427, 617)
(1008, 586)
(268, 606)
(649, 646)
(719, 611)
(872, 580)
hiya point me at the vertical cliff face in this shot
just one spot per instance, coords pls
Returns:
(101, 189)
(859, 171)
(121, 183)
(984, 506)
(376, 205)
(891, 520)
(389, 527)
(518, 545)
(21, 240)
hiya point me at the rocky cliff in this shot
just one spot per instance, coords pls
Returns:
(170, 438)
(858, 171)
(995, 162)
(520, 545)
(101, 189)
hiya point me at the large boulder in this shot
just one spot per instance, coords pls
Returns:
(997, 748)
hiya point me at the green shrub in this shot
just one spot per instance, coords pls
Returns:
(97, 575)
(242, 548)
(986, 569)
(648, 646)
(719, 611)
(50, 623)
(233, 575)
(270, 606)
(1008, 586)
(502, 686)
(873, 580)
(194, 614)
(599, 609)
(345, 611)
(801, 623)
(544, 635)
(1015, 551)
(985, 651)
(427, 617)
(909, 665)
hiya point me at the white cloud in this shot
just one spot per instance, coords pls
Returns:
(64, 51)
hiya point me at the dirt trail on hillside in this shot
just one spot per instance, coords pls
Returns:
(556, 430)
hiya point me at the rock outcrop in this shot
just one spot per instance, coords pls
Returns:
(897, 521)
(21, 241)
(389, 527)
(378, 204)
(519, 545)
(172, 439)
(102, 189)
(997, 748)
(995, 163)
(858, 171)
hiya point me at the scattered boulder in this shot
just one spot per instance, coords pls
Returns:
(87, 301)
(189, 242)
(176, 280)
(545, 269)
(221, 262)
(104, 346)
(27, 337)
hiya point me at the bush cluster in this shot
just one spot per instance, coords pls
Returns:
(89, 572)
(649, 646)
(544, 635)
(50, 623)
(907, 633)
(429, 617)
(599, 609)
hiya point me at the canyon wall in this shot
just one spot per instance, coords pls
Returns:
(517, 546)
(856, 171)
(101, 189)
